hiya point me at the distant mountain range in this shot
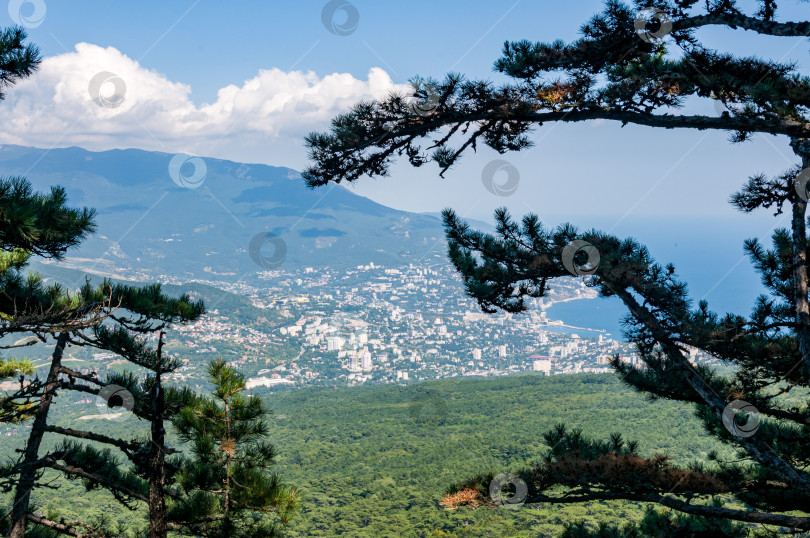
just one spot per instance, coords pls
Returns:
(193, 217)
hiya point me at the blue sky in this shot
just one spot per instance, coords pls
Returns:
(592, 173)
(217, 43)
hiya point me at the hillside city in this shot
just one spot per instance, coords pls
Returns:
(372, 324)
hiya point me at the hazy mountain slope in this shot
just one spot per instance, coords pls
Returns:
(148, 222)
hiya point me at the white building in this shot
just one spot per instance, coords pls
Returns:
(334, 343)
(291, 330)
(476, 354)
(633, 359)
(542, 365)
(313, 340)
(365, 360)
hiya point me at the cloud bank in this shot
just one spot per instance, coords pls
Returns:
(99, 98)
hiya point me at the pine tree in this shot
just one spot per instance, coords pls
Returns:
(634, 64)
(34, 224)
(228, 489)
(40, 225)
(139, 313)
(142, 316)
(107, 316)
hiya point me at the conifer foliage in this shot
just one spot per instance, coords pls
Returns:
(637, 64)
(130, 316)
(33, 224)
(228, 488)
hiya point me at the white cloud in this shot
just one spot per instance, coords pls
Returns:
(275, 108)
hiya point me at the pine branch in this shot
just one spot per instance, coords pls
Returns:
(73, 470)
(346, 163)
(760, 453)
(127, 447)
(738, 20)
(765, 518)
(67, 528)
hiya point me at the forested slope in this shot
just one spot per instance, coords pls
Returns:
(376, 460)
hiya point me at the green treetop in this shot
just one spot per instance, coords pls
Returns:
(228, 488)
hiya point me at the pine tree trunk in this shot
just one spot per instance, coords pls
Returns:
(22, 497)
(227, 506)
(800, 279)
(800, 286)
(157, 478)
(157, 468)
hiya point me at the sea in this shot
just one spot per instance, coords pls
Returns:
(707, 252)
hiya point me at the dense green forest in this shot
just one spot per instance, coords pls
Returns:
(376, 460)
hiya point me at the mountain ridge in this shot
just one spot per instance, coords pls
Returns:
(154, 213)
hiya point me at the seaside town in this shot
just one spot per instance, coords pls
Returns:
(372, 324)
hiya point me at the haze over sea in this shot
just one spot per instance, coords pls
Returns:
(707, 253)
